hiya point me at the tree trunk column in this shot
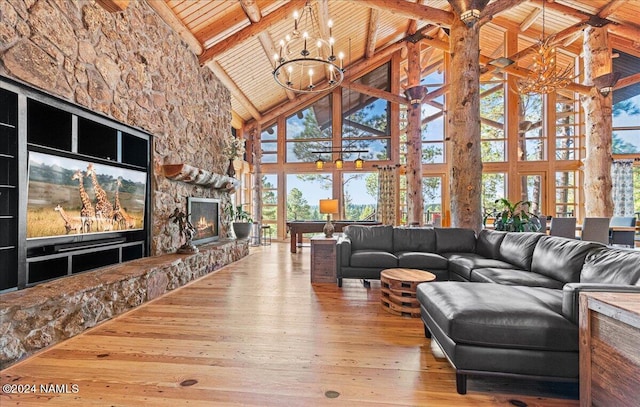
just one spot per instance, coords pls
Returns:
(415, 203)
(256, 156)
(464, 126)
(598, 199)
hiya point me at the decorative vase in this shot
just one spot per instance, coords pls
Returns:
(242, 229)
(230, 170)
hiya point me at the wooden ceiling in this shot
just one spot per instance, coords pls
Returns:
(236, 38)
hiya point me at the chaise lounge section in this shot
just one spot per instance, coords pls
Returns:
(523, 322)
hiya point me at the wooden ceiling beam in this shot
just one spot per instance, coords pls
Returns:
(167, 15)
(226, 80)
(249, 32)
(611, 8)
(496, 8)
(627, 81)
(626, 45)
(375, 92)
(252, 11)
(411, 10)
(222, 23)
(372, 33)
(113, 6)
(530, 19)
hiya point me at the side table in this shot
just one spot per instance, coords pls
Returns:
(398, 290)
(324, 261)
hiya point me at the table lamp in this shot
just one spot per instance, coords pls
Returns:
(328, 206)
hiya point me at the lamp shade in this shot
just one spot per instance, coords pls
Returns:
(328, 206)
(319, 164)
(339, 163)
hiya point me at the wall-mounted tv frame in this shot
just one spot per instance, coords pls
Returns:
(74, 199)
(204, 215)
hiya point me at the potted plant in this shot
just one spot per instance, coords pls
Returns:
(514, 217)
(241, 220)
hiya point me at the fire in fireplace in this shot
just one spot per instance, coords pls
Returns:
(204, 215)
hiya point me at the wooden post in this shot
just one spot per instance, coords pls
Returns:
(415, 203)
(464, 126)
(598, 124)
(256, 155)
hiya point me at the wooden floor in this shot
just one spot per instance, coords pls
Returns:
(257, 333)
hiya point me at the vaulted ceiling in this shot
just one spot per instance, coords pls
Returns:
(237, 38)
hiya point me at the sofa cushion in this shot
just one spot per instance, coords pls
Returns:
(373, 258)
(421, 260)
(612, 266)
(514, 277)
(517, 248)
(370, 237)
(414, 240)
(495, 315)
(488, 243)
(464, 263)
(561, 258)
(450, 240)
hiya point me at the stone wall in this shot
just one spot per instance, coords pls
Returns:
(40, 316)
(131, 67)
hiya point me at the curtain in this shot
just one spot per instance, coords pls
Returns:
(622, 177)
(387, 192)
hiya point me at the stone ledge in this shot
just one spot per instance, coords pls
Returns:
(40, 316)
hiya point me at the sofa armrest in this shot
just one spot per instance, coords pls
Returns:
(571, 295)
(344, 252)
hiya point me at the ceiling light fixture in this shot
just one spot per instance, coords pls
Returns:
(545, 76)
(304, 54)
(339, 162)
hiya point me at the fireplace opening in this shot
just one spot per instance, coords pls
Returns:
(204, 215)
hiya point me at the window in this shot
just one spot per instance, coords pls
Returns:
(309, 130)
(566, 193)
(532, 140)
(433, 123)
(360, 195)
(626, 125)
(567, 127)
(270, 201)
(304, 192)
(432, 197)
(492, 134)
(269, 144)
(494, 186)
(365, 119)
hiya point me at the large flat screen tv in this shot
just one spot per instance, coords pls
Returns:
(69, 196)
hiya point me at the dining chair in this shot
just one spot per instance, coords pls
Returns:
(622, 237)
(564, 227)
(595, 230)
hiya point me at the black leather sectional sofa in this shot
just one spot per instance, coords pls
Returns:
(523, 320)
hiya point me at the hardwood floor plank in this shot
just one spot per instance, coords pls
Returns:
(257, 333)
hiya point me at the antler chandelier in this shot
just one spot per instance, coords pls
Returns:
(545, 76)
(305, 54)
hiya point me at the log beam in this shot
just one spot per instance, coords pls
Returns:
(375, 92)
(168, 16)
(372, 33)
(411, 10)
(598, 126)
(249, 32)
(113, 6)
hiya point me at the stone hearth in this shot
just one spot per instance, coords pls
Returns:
(40, 316)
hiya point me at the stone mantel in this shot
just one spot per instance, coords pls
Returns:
(198, 176)
(48, 313)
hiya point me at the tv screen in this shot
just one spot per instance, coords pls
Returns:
(68, 196)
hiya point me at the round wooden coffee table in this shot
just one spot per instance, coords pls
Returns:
(398, 290)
